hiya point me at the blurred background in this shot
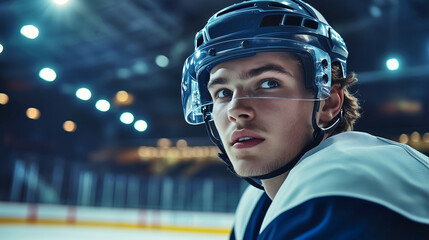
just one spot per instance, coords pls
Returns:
(90, 107)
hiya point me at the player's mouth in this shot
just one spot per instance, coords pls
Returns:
(245, 139)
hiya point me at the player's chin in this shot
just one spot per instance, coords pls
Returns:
(250, 171)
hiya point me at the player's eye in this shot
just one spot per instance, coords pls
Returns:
(223, 93)
(271, 83)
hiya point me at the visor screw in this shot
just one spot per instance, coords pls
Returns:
(325, 78)
(212, 52)
(324, 63)
(244, 43)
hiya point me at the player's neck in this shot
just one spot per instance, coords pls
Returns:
(272, 185)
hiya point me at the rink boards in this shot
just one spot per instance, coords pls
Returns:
(99, 217)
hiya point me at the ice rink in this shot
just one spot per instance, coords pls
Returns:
(39, 232)
(19, 221)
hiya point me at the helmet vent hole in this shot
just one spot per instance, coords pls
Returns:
(293, 21)
(271, 21)
(325, 63)
(311, 24)
(325, 78)
(200, 40)
(235, 8)
(279, 5)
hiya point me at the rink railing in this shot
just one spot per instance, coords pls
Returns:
(101, 217)
(79, 184)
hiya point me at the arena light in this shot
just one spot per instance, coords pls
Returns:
(60, 2)
(140, 67)
(4, 98)
(426, 137)
(33, 113)
(48, 74)
(161, 61)
(122, 96)
(403, 138)
(1, 48)
(415, 137)
(392, 64)
(140, 125)
(83, 94)
(181, 143)
(164, 143)
(126, 118)
(69, 126)
(102, 105)
(375, 11)
(30, 31)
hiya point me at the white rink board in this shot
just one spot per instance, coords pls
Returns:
(40, 221)
(35, 232)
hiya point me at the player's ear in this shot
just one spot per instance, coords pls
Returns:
(331, 106)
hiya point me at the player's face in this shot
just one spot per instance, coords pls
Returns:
(261, 135)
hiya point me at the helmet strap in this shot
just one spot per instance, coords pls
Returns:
(317, 138)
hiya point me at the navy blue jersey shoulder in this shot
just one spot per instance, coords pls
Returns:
(254, 225)
(258, 214)
(352, 186)
(232, 235)
(337, 217)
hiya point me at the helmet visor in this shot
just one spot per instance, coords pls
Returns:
(196, 81)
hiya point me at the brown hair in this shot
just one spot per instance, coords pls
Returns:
(351, 103)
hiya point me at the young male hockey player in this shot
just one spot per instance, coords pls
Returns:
(268, 79)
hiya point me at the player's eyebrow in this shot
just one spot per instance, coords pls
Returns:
(251, 73)
(266, 68)
(216, 81)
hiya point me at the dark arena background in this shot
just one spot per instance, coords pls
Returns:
(93, 143)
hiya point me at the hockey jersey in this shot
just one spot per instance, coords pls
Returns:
(352, 186)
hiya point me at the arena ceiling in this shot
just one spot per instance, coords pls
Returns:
(112, 45)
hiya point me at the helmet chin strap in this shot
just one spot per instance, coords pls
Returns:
(318, 136)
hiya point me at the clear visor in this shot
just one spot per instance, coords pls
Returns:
(199, 92)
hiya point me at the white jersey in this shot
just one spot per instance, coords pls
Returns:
(352, 186)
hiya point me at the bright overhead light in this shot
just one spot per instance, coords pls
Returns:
(69, 126)
(392, 64)
(127, 117)
(140, 67)
(415, 137)
(48, 74)
(102, 105)
(122, 96)
(375, 11)
(4, 98)
(30, 31)
(140, 125)
(33, 113)
(60, 2)
(403, 138)
(161, 61)
(83, 94)
(1, 48)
